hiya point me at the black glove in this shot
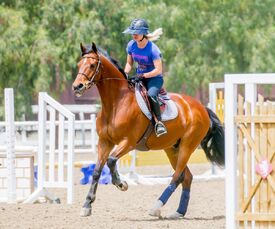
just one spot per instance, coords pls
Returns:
(135, 79)
(140, 76)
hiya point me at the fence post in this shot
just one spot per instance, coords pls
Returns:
(10, 139)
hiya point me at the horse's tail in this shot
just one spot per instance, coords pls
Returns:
(213, 142)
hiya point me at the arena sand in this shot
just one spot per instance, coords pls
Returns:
(124, 210)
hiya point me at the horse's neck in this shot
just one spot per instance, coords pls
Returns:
(112, 88)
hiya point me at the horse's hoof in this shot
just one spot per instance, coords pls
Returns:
(155, 213)
(85, 212)
(175, 215)
(123, 186)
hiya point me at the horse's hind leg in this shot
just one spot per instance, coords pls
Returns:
(172, 154)
(185, 195)
(184, 177)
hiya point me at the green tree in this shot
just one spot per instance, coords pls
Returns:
(202, 40)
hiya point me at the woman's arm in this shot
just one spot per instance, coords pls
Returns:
(157, 70)
(129, 64)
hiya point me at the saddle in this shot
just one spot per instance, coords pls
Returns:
(168, 109)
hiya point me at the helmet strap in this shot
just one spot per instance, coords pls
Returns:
(142, 38)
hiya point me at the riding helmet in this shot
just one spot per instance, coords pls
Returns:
(138, 26)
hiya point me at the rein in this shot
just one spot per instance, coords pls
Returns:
(109, 79)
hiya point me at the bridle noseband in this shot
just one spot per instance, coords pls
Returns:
(91, 80)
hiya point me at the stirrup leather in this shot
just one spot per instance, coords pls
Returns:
(160, 129)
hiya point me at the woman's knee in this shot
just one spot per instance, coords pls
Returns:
(153, 85)
(153, 91)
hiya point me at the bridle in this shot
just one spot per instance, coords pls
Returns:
(91, 80)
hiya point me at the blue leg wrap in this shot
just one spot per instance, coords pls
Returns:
(184, 200)
(167, 193)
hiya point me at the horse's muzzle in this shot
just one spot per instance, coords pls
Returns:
(79, 89)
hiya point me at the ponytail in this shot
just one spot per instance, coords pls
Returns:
(154, 35)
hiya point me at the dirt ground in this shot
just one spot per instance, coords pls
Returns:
(124, 210)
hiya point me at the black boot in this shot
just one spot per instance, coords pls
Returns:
(160, 129)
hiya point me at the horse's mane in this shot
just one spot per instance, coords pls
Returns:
(106, 54)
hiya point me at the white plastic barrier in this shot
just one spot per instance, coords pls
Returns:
(24, 174)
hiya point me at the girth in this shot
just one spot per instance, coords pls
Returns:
(142, 143)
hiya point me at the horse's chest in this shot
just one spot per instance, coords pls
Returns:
(112, 128)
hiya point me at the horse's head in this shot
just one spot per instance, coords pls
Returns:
(89, 68)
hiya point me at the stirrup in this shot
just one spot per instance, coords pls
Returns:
(160, 129)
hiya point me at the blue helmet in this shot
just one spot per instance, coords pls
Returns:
(138, 26)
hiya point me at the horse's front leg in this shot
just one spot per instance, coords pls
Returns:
(122, 148)
(104, 148)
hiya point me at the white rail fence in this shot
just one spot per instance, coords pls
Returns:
(60, 176)
(85, 129)
(53, 147)
(16, 162)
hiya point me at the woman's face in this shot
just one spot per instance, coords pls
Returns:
(137, 37)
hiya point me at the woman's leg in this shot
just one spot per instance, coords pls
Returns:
(153, 86)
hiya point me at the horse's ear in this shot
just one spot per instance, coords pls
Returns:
(82, 47)
(94, 47)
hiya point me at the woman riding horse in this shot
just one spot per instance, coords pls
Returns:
(122, 123)
(148, 58)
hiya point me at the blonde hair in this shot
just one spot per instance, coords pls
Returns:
(154, 35)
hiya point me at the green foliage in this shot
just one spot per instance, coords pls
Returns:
(202, 40)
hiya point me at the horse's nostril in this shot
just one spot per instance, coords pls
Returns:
(78, 87)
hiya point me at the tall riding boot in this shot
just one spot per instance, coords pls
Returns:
(160, 129)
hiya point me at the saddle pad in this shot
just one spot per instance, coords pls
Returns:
(169, 113)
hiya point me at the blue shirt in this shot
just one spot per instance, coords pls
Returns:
(144, 57)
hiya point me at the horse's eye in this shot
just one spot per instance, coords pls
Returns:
(92, 66)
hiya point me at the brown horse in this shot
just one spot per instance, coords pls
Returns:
(122, 123)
